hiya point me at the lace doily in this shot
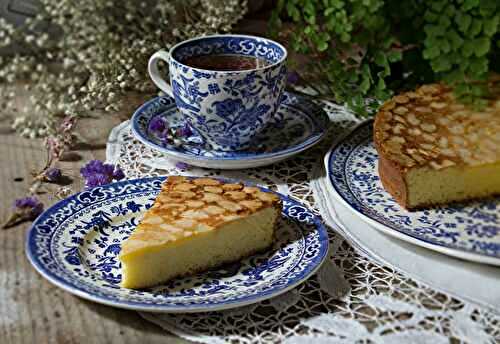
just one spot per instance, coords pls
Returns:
(352, 299)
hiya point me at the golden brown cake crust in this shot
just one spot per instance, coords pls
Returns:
(189, 206)
(429, 128)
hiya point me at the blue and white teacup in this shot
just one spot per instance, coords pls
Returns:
(228, 108)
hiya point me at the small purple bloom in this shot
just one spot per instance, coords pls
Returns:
(157, 125)
(292, 77)
(118, 173)
(53, 174)
(97, 179)
(184, 131)
(97, 173)
(28, 207)
(182, 165)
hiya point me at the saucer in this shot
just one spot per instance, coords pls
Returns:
(298, 125)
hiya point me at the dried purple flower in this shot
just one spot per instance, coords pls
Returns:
(28, 208)
(97, 173)
(182, 166)
(157, 125)
(53, 174)
(118, 173)
(97, 179)
(292, 77)
(184, 131)
(96, 167)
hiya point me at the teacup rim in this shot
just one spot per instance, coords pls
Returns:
(281, 60)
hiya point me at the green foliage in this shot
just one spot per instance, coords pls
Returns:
(370, 48)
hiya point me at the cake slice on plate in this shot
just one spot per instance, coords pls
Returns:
(196, 224)
(434, 150)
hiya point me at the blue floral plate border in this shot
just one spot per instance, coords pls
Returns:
(298, 125)
(74, 244)
(469, 231)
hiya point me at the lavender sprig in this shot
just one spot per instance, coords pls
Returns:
(97, 173)
(25, 209)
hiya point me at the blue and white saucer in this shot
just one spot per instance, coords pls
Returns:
(75, 243)
(469, 231)
(298, 124)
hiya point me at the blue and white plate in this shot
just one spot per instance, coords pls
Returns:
(75, 243)
(298, 124)
(469, 230)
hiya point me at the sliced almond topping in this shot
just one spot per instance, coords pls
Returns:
(267, 197)
(250, 189)
(176, 179)
(231, 206)
(438, 105)
(185, 223)
(202, 227)
(428, 127)
(398, 128)
(195, 203)
(422, 109)
(170, 228)
(458, 140)
(412, 119)
(427, 146)
(389, 105)
(231, 217)
(428, 137)
(211, 197)
(401, 99)
(214, 210)
(397, 139)
(152, 220)
(195, 214)
(181, 195)
(179, 206)
(184, 187)
(236, 195)
(213, 189)
(414, 131)
(443, 142)
(447, 152)
(206, 181)
(400, 110)
(232, 187)
(251, 204)
(456, 129)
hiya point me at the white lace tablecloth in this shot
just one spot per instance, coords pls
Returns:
(352, 299)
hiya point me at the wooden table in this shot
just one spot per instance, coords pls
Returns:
(31, 309)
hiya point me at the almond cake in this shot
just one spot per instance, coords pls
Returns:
(196, 224)
(434, 150)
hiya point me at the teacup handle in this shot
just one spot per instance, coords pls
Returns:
(154, 72)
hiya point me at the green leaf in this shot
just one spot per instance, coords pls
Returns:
(463, 21)
(468, 48)
(481, 46)
(430, 52)
(475, 27)
(394, 56)
(469, 4)
(491, 25)
(322, 45)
